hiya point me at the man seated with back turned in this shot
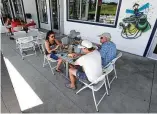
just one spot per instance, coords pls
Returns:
(90, 67)
(107, 49)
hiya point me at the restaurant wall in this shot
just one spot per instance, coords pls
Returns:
(135, 45)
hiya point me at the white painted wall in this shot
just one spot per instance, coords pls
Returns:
(30, 7)
(91, 32)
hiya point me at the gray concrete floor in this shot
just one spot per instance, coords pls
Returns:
(135, 90)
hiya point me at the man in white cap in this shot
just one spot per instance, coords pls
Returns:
(108, 49)
(90, 63)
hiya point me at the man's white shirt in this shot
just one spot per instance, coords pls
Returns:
(91, 64)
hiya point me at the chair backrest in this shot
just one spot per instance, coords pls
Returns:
(25, 40)
(97, 84)
(19, 28)
(43, 47)
(65, 40)
(106, 71)
(33, 29)
(115, 59)
(41, 35)
(33, 32)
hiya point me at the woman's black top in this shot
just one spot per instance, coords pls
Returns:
(51, 46)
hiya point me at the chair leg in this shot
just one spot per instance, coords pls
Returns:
(81, 89)
(95, 101)
(108, 81)
(16, 46)
(34, 50)
(39, 48)
(44, 62)
(115, 71)
(106, 87)
(50, 67)
(21, 53)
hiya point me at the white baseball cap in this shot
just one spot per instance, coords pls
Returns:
(85, 44)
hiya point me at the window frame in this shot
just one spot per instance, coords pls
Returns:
(94, 23)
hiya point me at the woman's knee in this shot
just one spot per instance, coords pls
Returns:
(60, 60)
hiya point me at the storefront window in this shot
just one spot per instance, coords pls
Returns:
(18, 12)
(99, 12)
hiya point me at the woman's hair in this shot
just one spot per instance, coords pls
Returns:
(28, 15)
(48, 34)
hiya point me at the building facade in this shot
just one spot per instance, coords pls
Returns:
(132, 23)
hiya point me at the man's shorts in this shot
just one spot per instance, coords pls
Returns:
(80, 74)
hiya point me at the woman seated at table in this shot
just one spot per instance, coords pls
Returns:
(51, 45)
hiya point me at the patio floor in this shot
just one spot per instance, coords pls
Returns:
(135, 90)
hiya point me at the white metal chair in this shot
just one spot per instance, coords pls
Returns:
(18, 35)
(33, 32)
(97, 84)
(33, 29)
(48, 59)
(114, 68)
(39, 40)
(25, 44)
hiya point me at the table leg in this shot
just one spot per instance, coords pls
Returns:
(67, 70)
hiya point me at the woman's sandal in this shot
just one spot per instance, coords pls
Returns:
(68, 86)
(58, 70)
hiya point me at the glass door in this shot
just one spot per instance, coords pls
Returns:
(18, 9)
(6, 10)
(44, 14)
(55, 15)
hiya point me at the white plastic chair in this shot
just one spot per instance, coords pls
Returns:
(25, 44)
(18, 35)
(39, 40)
(48, 59)
(33, 32)
(114, 68)
(97, 84)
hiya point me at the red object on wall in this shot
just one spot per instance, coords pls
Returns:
(99, 2)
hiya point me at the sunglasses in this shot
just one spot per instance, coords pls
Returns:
(52, 36)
